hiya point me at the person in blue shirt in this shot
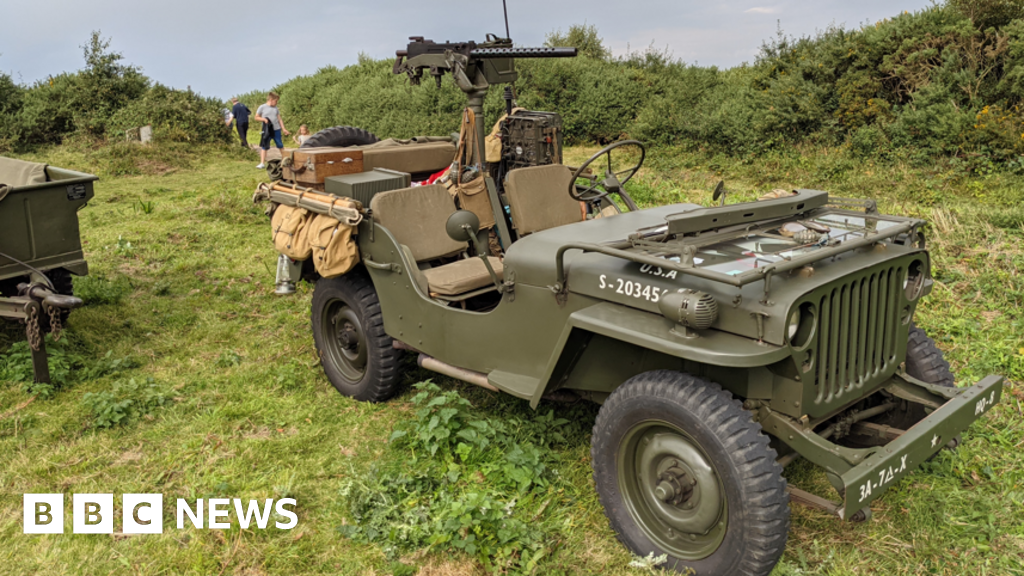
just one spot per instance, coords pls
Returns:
(241, 113)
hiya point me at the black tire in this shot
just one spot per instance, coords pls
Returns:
(348, 329)
(340, 136)
(636, 430)
(925, 361)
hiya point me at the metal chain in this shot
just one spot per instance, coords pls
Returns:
(55, 325)
(32, 328)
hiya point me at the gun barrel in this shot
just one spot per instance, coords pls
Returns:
(523, 53)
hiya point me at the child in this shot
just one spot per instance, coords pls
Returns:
(273, 126)
(303, 135)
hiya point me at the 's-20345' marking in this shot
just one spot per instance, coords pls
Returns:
(631, 288)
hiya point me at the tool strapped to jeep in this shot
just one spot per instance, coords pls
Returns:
(466, 179)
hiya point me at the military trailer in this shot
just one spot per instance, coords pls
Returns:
(723, 342)
(40, 248)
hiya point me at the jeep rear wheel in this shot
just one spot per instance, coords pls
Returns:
(348, 329)
(681, 469)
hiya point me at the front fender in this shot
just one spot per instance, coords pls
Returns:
(653, 332)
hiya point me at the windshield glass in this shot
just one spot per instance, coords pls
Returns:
(783, 242)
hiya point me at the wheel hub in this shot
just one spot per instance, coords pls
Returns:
(674, 485)
(348, 337)
(672, 490)
(344, 346)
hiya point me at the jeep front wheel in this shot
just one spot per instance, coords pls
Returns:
(348, 329)
(681, 469)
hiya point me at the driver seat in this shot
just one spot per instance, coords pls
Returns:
(538, 198)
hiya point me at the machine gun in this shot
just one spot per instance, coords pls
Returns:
(474, 67)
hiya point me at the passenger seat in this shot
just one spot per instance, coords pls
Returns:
(416, 217)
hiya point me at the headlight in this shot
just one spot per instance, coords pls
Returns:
(801, 325)
(794, 324)
(913, 280)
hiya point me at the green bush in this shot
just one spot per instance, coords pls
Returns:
(16, 367)
(989, 13)
(124, 401)
(454, 479)
(175, 115)
(81, 102)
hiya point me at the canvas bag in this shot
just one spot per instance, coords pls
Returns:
(334, 250)
(472, 195)
(288, 224)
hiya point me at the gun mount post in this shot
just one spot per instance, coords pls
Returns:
(474, 68)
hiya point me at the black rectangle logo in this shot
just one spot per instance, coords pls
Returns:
(76, 191)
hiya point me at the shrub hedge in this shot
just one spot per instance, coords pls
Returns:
(947, 81)
(101, 101)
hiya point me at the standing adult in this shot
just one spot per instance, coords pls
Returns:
(273, 126)
(241, 113)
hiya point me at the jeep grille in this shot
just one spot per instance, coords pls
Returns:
(856, 337)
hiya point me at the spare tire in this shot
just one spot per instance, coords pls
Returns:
(340, 136)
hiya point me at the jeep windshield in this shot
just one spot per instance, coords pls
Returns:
(747, 242)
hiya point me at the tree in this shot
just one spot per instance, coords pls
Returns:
(582, 37)
(989, 13)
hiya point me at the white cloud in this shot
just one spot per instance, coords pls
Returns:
(762, 10)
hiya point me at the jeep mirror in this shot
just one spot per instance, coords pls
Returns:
(719, 193)
(462, 226)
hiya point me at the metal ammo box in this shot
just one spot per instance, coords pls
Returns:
(363, 186)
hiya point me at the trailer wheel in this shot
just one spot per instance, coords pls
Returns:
(348, 329)
(340, 136)
(681, 469)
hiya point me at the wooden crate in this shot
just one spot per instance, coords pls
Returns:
(311, 165)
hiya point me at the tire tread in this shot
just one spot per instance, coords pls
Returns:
(759, 475)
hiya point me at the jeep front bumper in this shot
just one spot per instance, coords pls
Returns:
(862, 474)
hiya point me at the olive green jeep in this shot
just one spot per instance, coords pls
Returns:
(722, 342)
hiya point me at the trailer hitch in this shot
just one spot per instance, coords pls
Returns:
(33, 301)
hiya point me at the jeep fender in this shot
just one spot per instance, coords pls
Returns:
(646, 331)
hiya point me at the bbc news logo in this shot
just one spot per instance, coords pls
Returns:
(144, 513)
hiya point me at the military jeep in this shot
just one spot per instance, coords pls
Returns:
(722, 342)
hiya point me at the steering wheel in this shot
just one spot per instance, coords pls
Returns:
(613, 181)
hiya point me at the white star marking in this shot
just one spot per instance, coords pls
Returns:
(935, 440)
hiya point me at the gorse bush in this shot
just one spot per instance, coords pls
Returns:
(175, 115)
(103, 100)
(947, 81)
(456, 479)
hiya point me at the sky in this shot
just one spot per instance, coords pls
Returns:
(221, 48)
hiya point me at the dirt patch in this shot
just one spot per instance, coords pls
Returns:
(129, 456)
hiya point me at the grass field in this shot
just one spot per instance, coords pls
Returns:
(180, 292)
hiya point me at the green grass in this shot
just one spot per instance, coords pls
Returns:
(181, 290)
